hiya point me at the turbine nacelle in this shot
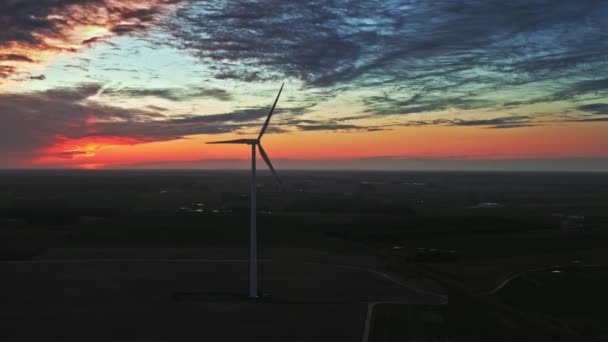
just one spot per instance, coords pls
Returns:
(257, 142)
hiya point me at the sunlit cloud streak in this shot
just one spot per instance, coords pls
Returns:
(33, 31)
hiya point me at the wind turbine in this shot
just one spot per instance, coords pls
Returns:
(255, 143)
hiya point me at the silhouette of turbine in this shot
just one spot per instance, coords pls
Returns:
(255, 143)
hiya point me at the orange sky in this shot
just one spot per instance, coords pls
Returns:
(551, 141)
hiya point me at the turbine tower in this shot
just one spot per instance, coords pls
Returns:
(255, 144)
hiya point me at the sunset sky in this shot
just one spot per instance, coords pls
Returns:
(368, 84)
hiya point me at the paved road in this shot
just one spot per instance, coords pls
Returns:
(190, 300)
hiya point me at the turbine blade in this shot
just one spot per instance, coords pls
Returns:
(237, 141)
(270, 113)
(267, 160)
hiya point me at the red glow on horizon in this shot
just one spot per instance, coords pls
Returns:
(80, 153)
(93, 166)
(586, 140)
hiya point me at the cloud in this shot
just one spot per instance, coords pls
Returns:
(6, 70)
(418, 103)
(329, 127)
(508, 120)
(173, 94)
(322, 42)
(43, 124)
(443, 54)
(589, 86)
(516, 121)
(239, 115)
(512, 125)
(69, 94)
(593, 87)
(588, 120)
(31, 122)
(595, 108)
(15, 58)
(35, 30)
(38, 77)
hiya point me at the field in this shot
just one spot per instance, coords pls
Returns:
(490, 225)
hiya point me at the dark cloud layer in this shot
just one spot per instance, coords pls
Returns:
(15, 57)
(174, 94)
(451, 54)
(32, 122)
(509, 120)
(504, 122)
(595, 108)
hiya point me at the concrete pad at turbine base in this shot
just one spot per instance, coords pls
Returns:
(189, 300)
